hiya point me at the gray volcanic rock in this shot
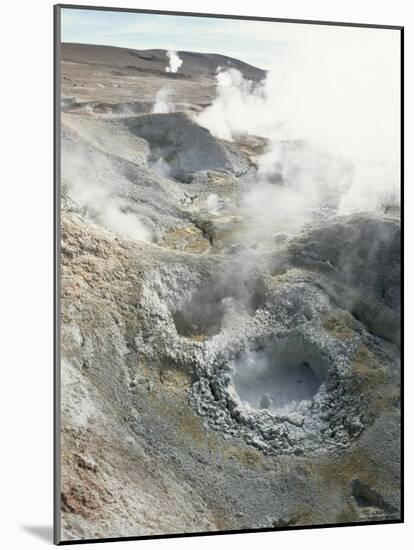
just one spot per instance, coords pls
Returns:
(363, 253)
(187, 147)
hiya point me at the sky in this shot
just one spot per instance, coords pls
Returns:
(248, 42)
(260, 43)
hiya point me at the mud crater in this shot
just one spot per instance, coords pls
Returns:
(280, 374)
(202, 314)
(287, 394)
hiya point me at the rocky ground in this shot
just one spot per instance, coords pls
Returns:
(215, 375)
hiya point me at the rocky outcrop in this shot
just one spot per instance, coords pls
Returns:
(363, 254)
(185, 147)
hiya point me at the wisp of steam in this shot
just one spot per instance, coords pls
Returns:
(162, 102)
(174, 62)
(90, 178)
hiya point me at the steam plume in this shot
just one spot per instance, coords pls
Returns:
(163, 101)
(90, 179)
(174, 62)
(339, 99)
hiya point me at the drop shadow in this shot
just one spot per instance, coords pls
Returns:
(43, 532)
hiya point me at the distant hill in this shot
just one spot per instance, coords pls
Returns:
(194, 63)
